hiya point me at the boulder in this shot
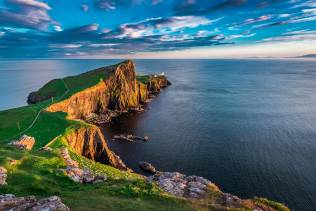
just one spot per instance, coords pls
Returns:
(147, 167)
(11, 202)
(180, 185)
(3, 176)
(24, 143)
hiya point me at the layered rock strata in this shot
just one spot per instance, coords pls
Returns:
(90, 142)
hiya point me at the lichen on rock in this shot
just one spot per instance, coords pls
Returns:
(11, 202)
(24, 143)
(3, 176)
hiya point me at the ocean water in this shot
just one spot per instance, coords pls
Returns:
(247, 125)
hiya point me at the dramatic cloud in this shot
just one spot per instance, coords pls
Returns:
(114, 4)
(26, 14)
(114, 27)
(84, 7)
(294, 36)
(160, 25)
(202, 7)
(31, 3)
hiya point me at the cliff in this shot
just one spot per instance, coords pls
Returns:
(50, 170)
(90, 142)
(119, 92)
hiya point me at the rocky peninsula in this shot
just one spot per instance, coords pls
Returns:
(54, 148)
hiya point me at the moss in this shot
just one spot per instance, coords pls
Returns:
(276, 205)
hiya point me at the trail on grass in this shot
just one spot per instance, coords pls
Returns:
(38, 114)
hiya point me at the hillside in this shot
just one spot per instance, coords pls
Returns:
(68, 147)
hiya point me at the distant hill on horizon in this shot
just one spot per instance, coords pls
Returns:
(308, 56)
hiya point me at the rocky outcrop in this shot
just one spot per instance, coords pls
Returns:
(181, 185)
(3, 176)
(199, 188)
(156, 83)
(24, 143)
(74, 172)
(90, 142)
(11, 202)
(119, 92)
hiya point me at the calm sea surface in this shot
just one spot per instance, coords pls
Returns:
(247, 125)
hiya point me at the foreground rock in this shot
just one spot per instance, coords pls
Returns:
(13, 203)
(77, 174)
(147, 167)
(3, 176)
(24, 143)
(181, 185)
(199, 188)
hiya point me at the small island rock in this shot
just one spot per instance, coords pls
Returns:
(147, 167)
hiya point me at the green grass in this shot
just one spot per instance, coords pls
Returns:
(58, 87)
(143, 78)
(276, 205)
(16, 120)
(37, 173)
(55, 88)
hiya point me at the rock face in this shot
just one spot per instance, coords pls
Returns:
(199, 188)
(90, 142)
(77, 174)
(181, 185)
(24, 143)
(156, 83)
(119, 92)
(3, 176)
(11, 202)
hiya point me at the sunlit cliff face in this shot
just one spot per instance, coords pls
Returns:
(156, 28)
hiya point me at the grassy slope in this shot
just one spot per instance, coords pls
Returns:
(37, 172)
(16, 120)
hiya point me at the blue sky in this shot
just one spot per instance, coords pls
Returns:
(156, 28)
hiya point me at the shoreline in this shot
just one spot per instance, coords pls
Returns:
(84, 140)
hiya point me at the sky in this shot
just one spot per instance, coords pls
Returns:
(156, 28)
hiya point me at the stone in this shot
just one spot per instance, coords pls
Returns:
(24, 143)
(196, 190)
(11, 202)
(13, 162)
(75, 173)
(227, 199)
(197, 185)
(147, 167)
(180, 185)
(3, 176)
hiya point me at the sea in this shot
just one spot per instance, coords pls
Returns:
(248, 125)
